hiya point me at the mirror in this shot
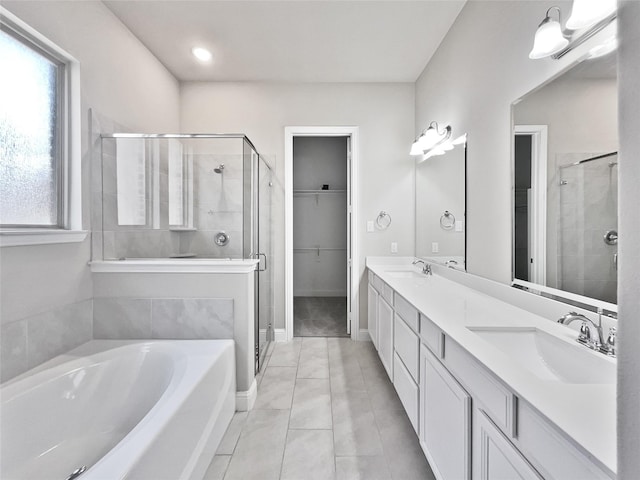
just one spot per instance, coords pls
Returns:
(565, 182)
(441, 208)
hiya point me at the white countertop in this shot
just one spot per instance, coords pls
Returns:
(584, 412)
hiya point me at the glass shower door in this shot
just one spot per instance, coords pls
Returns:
(265, 297)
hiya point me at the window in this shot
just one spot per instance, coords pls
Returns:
(38, 141)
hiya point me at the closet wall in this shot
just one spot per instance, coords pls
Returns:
(320, 217)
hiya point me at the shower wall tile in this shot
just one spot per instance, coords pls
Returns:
(52, 333)
(121, 318)
(192, 318)
(13, 356)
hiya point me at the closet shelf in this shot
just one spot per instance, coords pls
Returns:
(317, 192)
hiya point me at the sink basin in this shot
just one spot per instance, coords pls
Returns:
(548, 357)
(405, 274)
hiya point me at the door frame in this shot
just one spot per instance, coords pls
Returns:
(352, 280)
(538, 212)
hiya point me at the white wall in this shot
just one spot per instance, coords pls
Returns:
(121, 80)
(629, 223)
(384, 113)
(481, 67)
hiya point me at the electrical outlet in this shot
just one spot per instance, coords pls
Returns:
(394, 247)
(370, 227)
(435, 248)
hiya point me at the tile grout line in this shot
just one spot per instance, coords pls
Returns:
(286, 437)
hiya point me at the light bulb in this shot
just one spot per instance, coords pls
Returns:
(548, 40)
(586, 13)
(201, 54)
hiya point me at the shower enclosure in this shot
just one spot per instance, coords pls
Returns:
(189, 196)
(588, 225)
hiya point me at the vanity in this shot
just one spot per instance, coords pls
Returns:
(492, 390)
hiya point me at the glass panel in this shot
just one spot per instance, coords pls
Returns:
(587, 263)
(172, 197)
(28, 145)
(265, 247)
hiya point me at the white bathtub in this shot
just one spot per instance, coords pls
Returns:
(125, 410)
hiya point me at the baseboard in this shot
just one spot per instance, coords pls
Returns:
(245, 400)
(279, 334)
(363, 335)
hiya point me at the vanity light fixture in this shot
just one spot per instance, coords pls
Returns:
(587, 18)
(549, 38)
(432, 139)
(202, 54)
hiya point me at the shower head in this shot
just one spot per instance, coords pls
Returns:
(219, 168)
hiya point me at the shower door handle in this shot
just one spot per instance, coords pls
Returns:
(258, 255)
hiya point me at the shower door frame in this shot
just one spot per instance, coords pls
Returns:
(353, 267)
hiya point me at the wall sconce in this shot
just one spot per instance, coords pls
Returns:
(587, 16)
(434, 141)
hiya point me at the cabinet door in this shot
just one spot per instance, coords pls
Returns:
(385, 335)
(373, 315)
(445, 420)
(495, 457)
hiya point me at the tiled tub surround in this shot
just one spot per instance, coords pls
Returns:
(583, 413)
(180, 299)
(30, 341)
(118, 318)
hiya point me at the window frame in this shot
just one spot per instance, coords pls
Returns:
(67, 144)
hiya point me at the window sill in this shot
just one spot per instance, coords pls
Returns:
(17, 238)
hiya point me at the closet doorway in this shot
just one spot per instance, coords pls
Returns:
(319, 166)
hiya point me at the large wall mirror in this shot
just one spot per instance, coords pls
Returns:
(565, 183)
(441, 208)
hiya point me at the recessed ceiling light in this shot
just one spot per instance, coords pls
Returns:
(201, 54)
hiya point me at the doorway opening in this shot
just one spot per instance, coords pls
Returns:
(530, 204)
(319, 241)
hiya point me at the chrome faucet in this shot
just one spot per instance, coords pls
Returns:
(426, 267)
(590, 333)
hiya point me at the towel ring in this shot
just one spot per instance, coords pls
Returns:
(447, 220)
(383, 221)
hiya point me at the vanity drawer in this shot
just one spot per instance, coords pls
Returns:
(377, 283)
(407, 311)
(407, 346)
(387, 293)
(432, 336)
(554, 456)
(407, 390)
(496, 399)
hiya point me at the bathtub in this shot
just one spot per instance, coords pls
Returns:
(124, 409)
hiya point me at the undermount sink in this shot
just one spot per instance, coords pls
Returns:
(548, 357)
(405, 274)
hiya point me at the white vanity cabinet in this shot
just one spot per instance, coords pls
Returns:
(385, 335)
(445, 416)
(372, 314)
(470, 423)
(495, 458)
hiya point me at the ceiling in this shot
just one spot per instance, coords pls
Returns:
(291, 41)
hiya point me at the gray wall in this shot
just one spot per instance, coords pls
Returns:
(629, 273)
(384, 113)
(46, 305)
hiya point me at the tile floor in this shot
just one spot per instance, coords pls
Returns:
(325, 410)
(320, 316)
